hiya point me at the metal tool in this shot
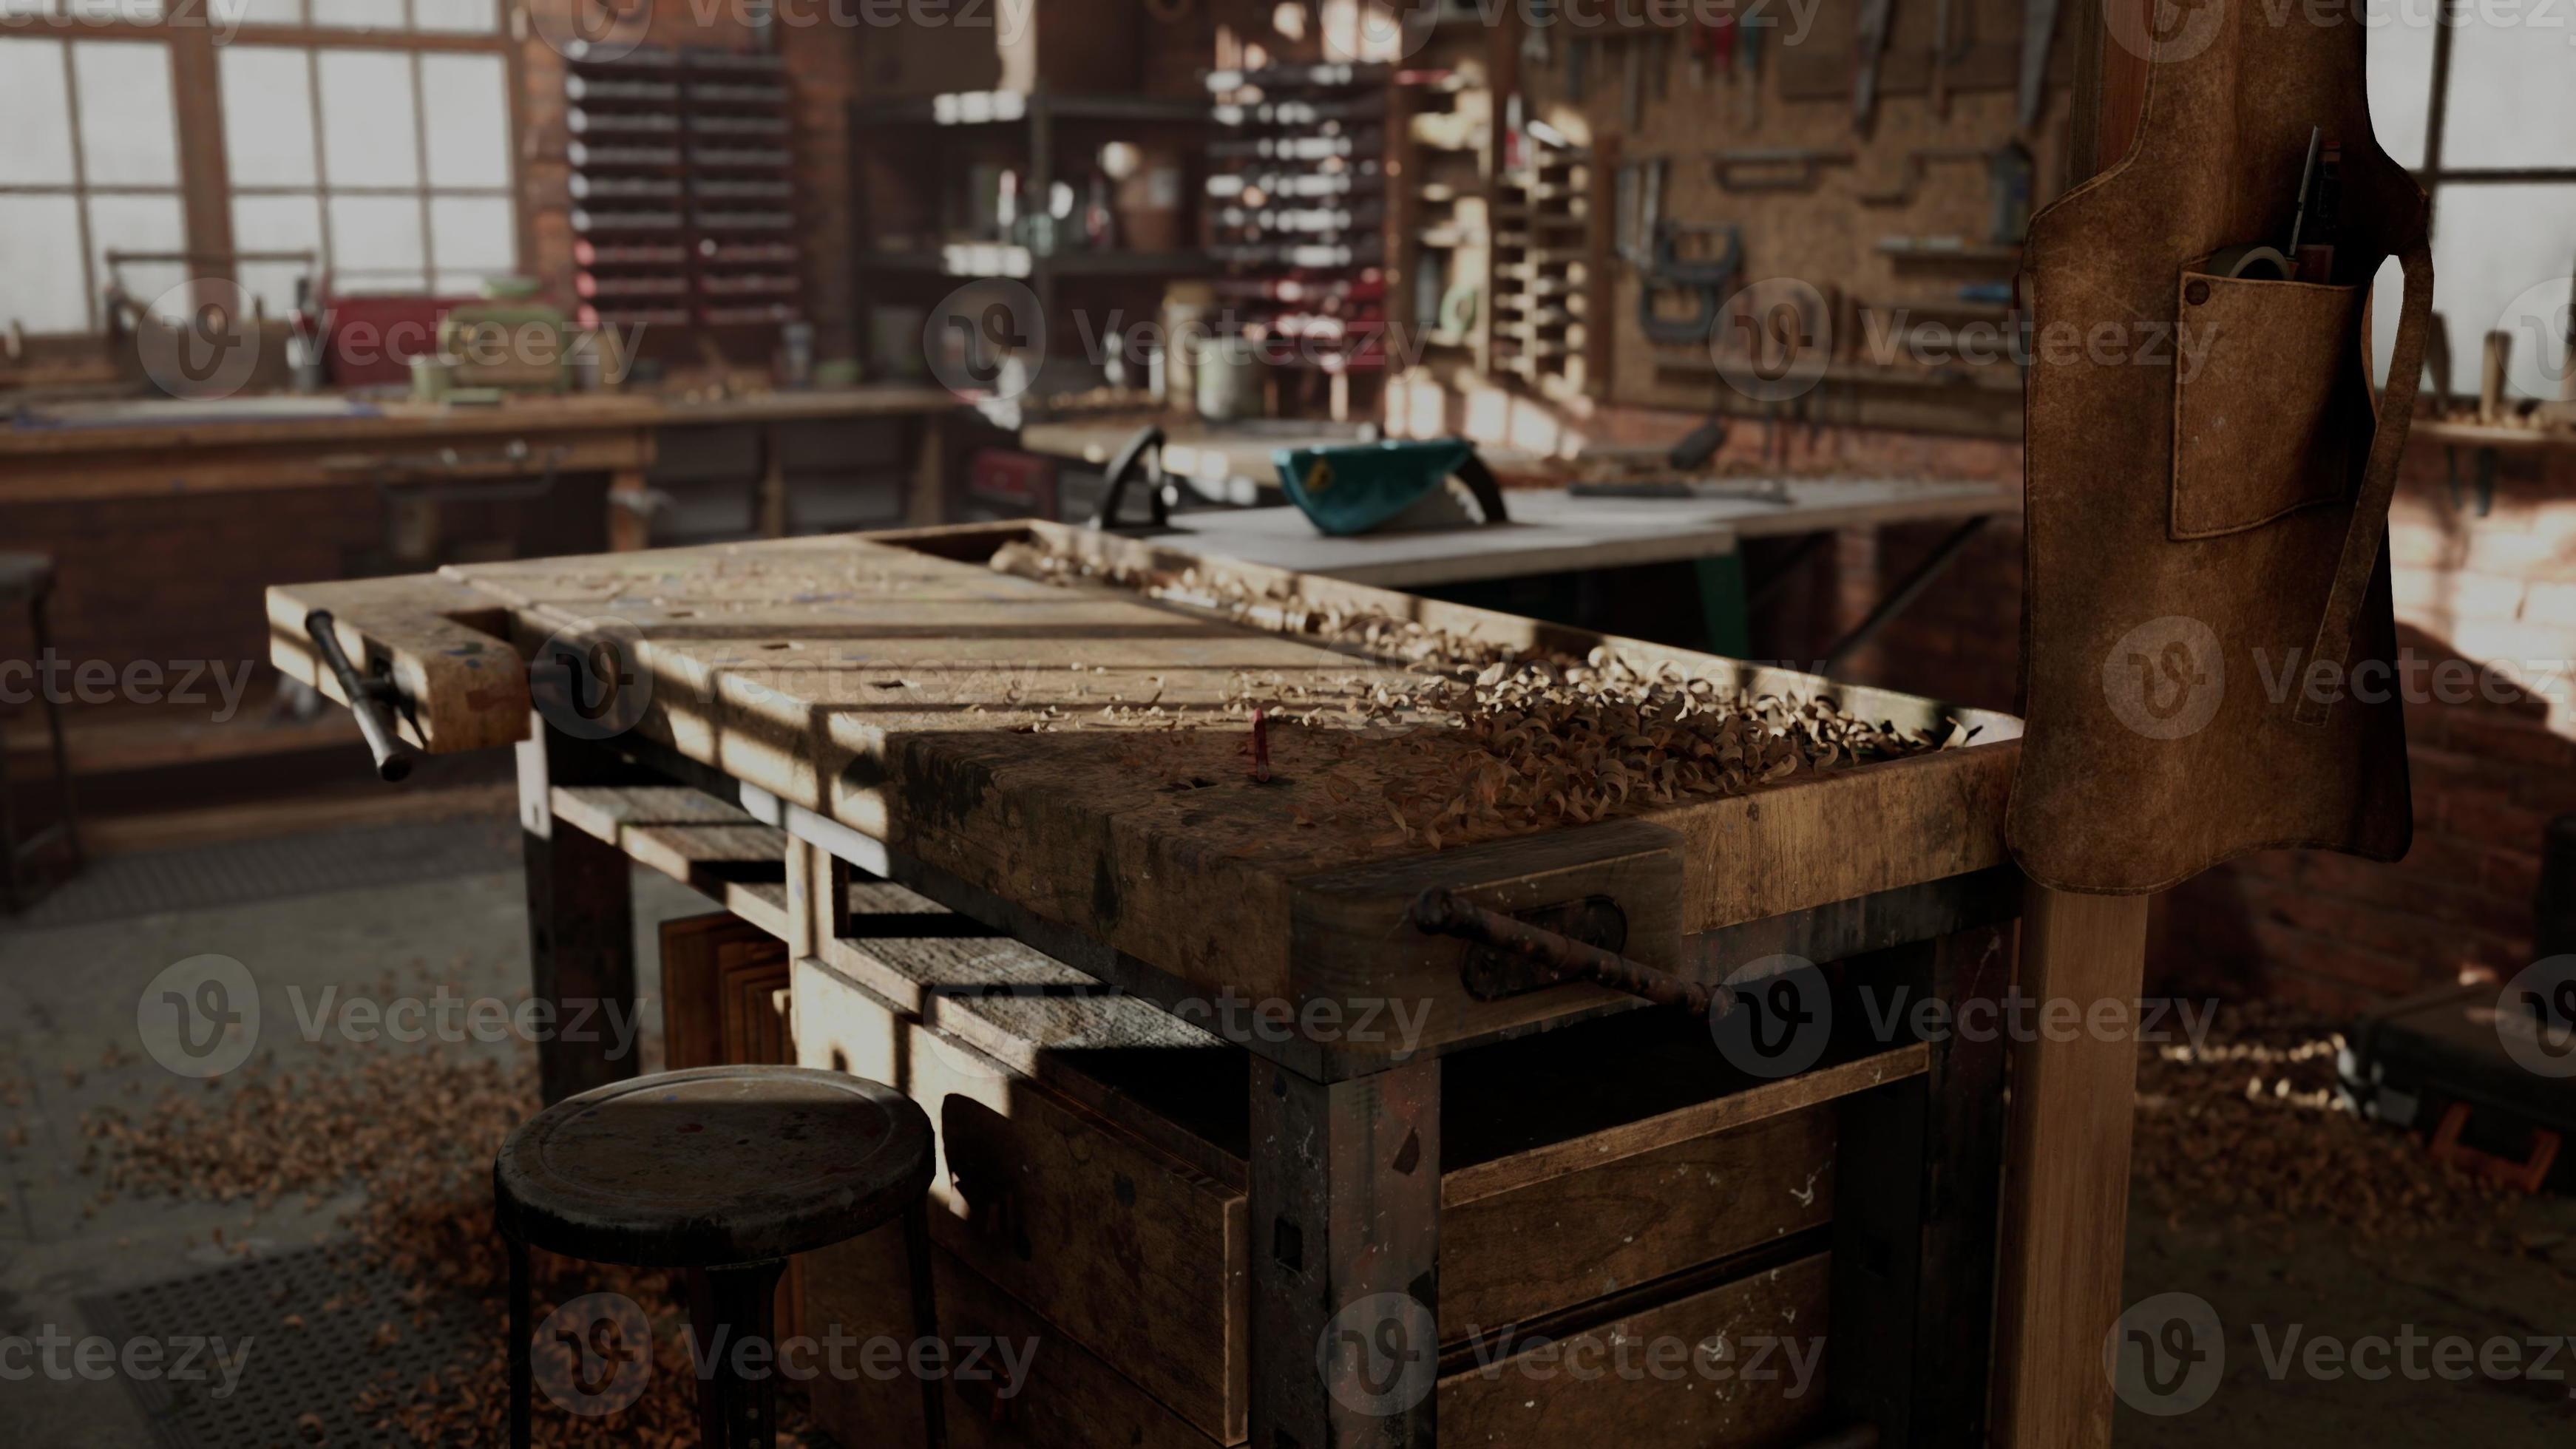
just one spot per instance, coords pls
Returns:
(2038, 31)
(1518, 956)
(1654, 249)
(1140, 461)
(1775, 168)
(372, 699)
(1578, 59)
(1875, 16)
(2307, 180)
(1632, 81)
(1751, 47)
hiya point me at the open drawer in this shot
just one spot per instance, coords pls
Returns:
(1093, 1172)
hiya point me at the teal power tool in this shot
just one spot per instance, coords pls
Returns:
(1355, 488)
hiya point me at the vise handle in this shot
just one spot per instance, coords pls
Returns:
(372, 700)
(1443, 912)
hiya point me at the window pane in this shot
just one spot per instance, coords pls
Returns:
(367, 135)
(140, 224)
(16, 9)
(41, 287)
(2502, 256)
(375, 243)
(2511, 103)
(276, 224)
(465, 17)
(35, 114)
(268, 115)
(128, 134)
(469, 119)
(230, 13)
(472, 234)
(359, 14)
(2401, 76)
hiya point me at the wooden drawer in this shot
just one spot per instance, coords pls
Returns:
(1712, 1366)
(1094, 1154)
(1121, 1245)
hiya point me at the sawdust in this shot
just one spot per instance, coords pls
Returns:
(2245, 1131)
(1506, 740)
(415, 1131)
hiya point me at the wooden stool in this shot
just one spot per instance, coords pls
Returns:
(28, 578)
(725, 1169)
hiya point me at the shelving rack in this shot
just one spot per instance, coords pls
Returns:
(684, 215)
(931, 137)
(1298, 188)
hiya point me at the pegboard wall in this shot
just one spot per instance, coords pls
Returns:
(1892, 220)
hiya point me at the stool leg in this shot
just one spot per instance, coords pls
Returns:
(925, 1320)
(734, 1411)
(54, 727)
(522, 1371)
(10, 889)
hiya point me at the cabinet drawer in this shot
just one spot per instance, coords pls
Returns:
(1065, 1397)
(1742, 1362)
(1125, 1248)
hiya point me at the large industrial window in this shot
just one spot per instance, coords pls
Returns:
(372, 136)
(2476, 100)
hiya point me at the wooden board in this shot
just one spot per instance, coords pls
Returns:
(1078, 753)
(1553, 531)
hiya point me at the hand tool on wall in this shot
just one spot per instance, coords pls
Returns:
(2038, 31)
(1653, 247)
(372, 699)
(1578, 60)
(1632, 84)
(1774, 168)
(1870, 47)
(1750, 44)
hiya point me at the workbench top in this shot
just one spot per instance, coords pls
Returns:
(1553, 531)
(1079, 743)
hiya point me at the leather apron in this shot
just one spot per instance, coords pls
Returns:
(2209, 635)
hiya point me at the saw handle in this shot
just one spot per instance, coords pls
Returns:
(371, 700)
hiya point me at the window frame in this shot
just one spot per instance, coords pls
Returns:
(204, 186)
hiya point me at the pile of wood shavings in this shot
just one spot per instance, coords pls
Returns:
(416, 1131)
(1520, 740)
(2245, 1131)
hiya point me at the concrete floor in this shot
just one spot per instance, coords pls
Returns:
(68, 996)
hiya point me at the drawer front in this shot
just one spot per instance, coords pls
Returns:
(1129, 1252)
(1739, 1363)
(1063, 1397)
(1518, 1255)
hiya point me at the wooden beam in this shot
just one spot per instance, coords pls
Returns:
(2066, 1189)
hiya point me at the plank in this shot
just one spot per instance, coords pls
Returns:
(707, 844)
(2066, 1194)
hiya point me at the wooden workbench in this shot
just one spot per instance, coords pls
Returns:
(149, 450)
(1065, 765)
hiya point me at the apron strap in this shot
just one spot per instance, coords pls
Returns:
(2369, 531)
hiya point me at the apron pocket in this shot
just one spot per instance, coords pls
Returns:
(2271, 410)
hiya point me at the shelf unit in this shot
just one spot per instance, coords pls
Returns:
(930, 141)
(684, 214)
(1298, 194)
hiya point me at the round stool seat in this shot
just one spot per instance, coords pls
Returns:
(712, 1166)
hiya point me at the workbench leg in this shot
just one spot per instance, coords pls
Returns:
(1345, 1215)
(1917, 1178)
(581, 927)
(2066, 1178)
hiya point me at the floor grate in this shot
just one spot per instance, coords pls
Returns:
(126, 886)
(287, 1373)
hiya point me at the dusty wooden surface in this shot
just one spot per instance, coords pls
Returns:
(1082, 751)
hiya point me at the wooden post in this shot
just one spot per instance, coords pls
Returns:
(2066, 1189)
(1917, 1174)
(629, 528)
(581, 928)
(1345, 1217)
